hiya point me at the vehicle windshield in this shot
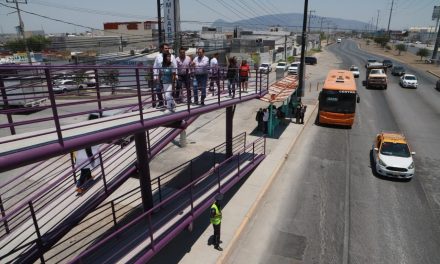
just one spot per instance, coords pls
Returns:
(395, 149)
(354, 69)
(398, 68)
(411, 78)
(376, 71)
(294, 64)
(281, 64)
(337, 101)
(371, 60)
(264, 65)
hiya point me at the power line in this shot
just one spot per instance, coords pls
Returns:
(88, 10)
(231, 8)
(215, 11)
(65, 22)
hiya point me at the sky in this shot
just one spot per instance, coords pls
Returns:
(93, 13)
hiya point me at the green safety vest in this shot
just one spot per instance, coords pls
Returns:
(217, 219)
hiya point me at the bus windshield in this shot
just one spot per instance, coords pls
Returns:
(337, 101)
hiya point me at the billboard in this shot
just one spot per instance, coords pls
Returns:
(436, 13)
(168, 21)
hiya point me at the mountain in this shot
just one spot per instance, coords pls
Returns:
(293, 22)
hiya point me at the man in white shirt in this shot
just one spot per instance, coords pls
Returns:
(183, 78)
(214, 73)
(200, 66)
(164, 48)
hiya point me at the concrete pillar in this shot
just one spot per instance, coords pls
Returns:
(144, 170)
(182, 139)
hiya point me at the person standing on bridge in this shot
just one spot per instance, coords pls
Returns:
(201, 67)
(216, 220)
(215, 73)
(232, 75)
(164, 48)
(183, 78)
(167, 79)
(245, 73)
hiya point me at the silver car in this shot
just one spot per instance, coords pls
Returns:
(64, 86)
(408, 80)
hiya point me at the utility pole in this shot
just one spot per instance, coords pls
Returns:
(437, 39)
(328, 31)
(389, 19)
(285, 48)
(159, 22)
(310, 16)
(21, 26)
(377, 19)
(300, 89)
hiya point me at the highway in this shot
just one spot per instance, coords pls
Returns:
(327, 206)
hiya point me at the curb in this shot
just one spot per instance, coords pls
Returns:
(269, 182)
(435, 74)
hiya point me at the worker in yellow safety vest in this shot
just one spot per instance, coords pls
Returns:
(216, 220)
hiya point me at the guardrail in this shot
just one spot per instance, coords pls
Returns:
(52, 194)
(40, 239)
(150, 231)
(65, 116)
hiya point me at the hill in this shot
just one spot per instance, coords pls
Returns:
(293, 22)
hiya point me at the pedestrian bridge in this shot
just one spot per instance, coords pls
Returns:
(47, 133)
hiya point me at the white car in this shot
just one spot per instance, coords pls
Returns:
(293, 68)
(64, 86)
(265, 68)
(392, 156)
(408, 80)
(355, 71)
(282, 65)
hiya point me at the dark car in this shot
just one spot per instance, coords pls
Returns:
(387, 63)
(311, 60)
(398, 71)
(437, 85)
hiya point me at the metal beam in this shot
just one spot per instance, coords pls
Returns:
(144, 170)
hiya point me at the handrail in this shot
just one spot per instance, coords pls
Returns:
(157, 207)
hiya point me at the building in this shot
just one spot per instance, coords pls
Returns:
(144, 29)
(134, 35)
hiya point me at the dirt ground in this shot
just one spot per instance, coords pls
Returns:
(404, 57)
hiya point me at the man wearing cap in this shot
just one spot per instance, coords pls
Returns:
(216, 220)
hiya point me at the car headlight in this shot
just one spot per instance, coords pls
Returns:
(382, 163)
(411, 166)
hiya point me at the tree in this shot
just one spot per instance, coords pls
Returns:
(400, 47)
(382, 41)
(35, 43)
(423, 52)
(79, 80)
(111, 77)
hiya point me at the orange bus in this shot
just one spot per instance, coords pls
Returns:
(338, 98)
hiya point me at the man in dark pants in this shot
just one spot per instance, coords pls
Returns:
(216, 220)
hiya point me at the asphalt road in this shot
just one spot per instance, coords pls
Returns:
(327, 206)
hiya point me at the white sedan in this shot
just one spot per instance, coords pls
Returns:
(408, 80)
(355, 71)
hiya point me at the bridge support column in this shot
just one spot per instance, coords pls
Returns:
(144, 170)
(229, 129)
(182, 141)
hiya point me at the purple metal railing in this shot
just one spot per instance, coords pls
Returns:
(73, 107)
(157, 184)
(186, 204)
(63, 186)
